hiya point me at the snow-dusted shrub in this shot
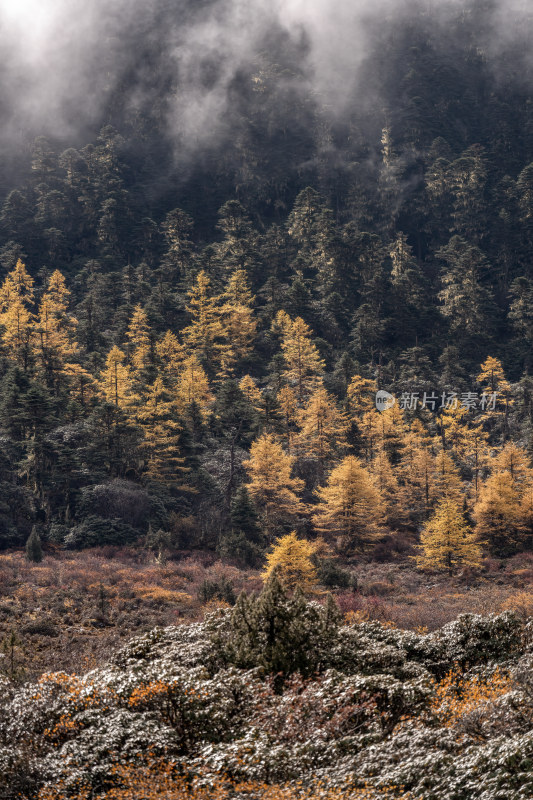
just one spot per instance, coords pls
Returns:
(447, 716)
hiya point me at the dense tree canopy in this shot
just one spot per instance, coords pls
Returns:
(215, 335)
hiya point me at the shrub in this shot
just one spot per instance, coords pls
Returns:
(472, 639)
(236, 545)
(118, 499)
(42, 627)
(33, 547)
(377, 588)
(217, 589)
(224, 698)
(457, 695)
(330, 574)
(521, 603)
(96, 531)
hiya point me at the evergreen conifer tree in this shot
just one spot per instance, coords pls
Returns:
(34, 550)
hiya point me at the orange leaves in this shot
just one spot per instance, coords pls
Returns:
(75, 695)
(457, 696)
(79, 693)
(62, 730)
(159, 779)
(144, 695)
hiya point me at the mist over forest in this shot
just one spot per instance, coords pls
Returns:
(262, 99)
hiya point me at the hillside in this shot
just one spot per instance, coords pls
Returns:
(164, 309)
(266, 400)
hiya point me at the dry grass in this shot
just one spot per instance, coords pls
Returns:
(70, 611)
(399, 594)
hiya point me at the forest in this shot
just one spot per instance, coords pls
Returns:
(200, 358)
(266, 332)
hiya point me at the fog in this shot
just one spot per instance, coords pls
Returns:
(63, 60)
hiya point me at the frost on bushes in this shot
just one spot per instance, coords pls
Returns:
(363, 704)
(186, 645)
(472, 639)
(315, 724)
(102, 739)
(469, 640)
(433, 765)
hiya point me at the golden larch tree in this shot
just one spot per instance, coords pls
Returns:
(392, 430)
(251, 391)
(448, 478)
(140, 343)
(417, 473)
(205, 336)
(476, 454)
(455, 431)
(464, 438)
(303, 363)
(350, 507)
(447, 542)
(16, 318)
(55, 328)
(369, 427)
(498, 514)
(18, 283)
(237, 316)
(322, 427)
(193, 387)
(360, 397)
(288, 405)
(116, 379)
(292, 559)
(171, 355)
(394, 512)
(513, 459)
(502, 511)
(492, 380)
(83, 386)
(492, 377)
(271, 485)
(158, 418)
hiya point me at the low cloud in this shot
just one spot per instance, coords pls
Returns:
(62, 60)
